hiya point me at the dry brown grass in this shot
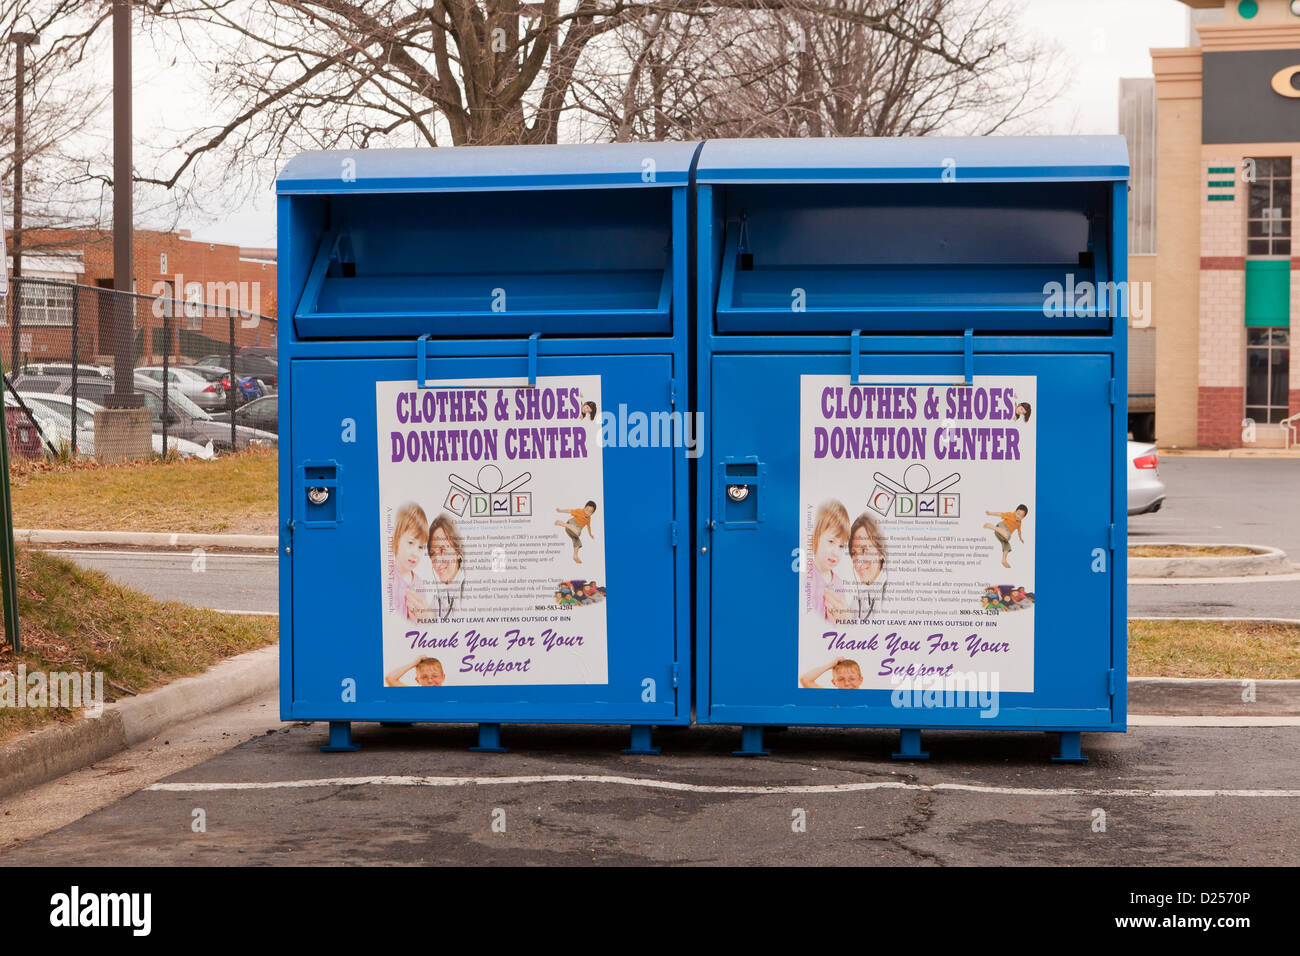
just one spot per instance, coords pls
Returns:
(74, 619)
(233, 494)
(1228, 649)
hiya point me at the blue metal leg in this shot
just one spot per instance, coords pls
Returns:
(340, 738)
(751, 743)
(1071, 748)
(489, 740)
(642, 741)
(909, 745)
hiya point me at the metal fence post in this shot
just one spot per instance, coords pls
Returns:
(8, 561)
(234, 384)
(76, 368)
(167, 347)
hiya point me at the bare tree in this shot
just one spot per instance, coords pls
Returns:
(295, 74)
(67, 149)
(288, 75)
(955, 66)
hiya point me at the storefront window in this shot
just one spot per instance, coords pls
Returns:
(1268, 225)
(1268, 364)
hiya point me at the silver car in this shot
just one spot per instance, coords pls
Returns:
(203, 393)
(1146, 492)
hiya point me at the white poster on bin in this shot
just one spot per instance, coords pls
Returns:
(491, 532)
(917, 520)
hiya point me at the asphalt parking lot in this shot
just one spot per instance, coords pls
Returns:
(564, 795)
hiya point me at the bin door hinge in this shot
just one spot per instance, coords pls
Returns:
(1112, 537)
(674, 674)
(1110, 681)
(1111, 391)
(672, 533)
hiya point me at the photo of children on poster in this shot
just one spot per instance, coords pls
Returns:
(917, 529)
(491, 543)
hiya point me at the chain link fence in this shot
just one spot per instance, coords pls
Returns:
(204, 371)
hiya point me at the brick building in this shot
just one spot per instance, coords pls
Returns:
(1224, 268)
(208, 280)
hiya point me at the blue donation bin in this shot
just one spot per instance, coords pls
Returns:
(484, 456)
(911, 508)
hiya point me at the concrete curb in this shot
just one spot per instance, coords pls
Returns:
(51, 752)
(1264, 561)
(157, 539)
(1229, 452)
(1212, 697)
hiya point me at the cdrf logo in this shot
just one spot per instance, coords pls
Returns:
(916, 496)
(75, 909)
(489, 496)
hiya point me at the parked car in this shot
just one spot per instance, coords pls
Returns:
(202, 392)
(1146, 492)
(64, 369)
(24, 439)
(61, 406)
(56, 427)
(247, 364)
(262, 414)
(184, 418)
(249, 387)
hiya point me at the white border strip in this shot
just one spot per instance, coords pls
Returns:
(674, 785)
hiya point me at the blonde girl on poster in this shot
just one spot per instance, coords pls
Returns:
(830, 541)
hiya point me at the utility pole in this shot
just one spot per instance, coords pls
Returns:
(123, 427)
(21, 39)
(124, 394)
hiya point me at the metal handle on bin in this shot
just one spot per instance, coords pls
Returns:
(422, 358)
(968, 360)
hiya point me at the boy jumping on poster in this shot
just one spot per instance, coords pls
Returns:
(1011, 521)
(579, 518)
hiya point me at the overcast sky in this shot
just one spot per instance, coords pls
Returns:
(1103, 40)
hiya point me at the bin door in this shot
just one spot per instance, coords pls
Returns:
(810, 476)
(487, 492)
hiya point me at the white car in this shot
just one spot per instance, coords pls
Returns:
(59, 408)
(1146, 492)
(208, 395)
(64, 370)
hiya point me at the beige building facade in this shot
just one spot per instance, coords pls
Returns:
(1225, 272)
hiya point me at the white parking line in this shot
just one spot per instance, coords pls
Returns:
(1162, 720)
(1239, 579)
(652, 784)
